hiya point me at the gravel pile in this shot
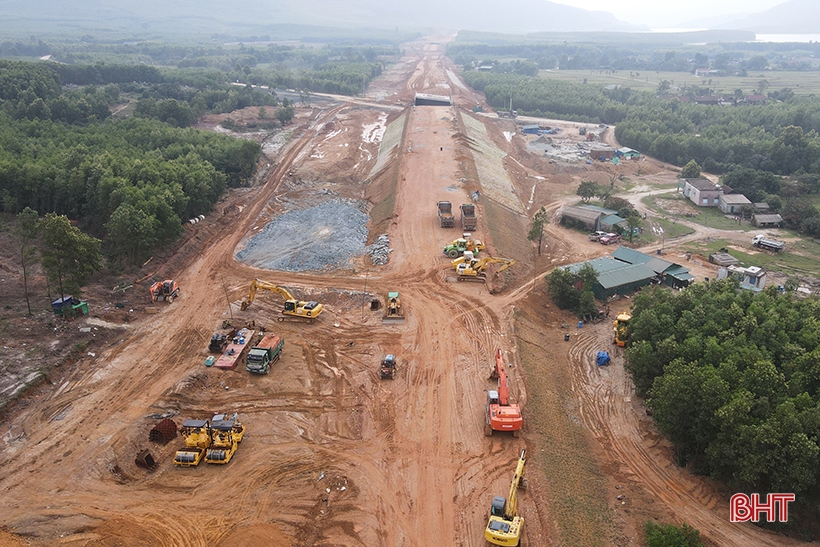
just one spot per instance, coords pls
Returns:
(380, 250)
(319, 238)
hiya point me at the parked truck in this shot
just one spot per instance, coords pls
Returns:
(445, 214)
(763, 242)
(264, 354)
(469, 221)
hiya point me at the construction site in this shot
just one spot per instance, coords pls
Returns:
(312, 370)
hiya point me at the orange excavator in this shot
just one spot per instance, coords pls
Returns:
(500, 414)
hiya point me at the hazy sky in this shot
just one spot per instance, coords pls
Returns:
(667, 13)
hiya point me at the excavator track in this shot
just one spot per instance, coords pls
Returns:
(480, 278)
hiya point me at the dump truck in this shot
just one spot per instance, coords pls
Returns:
(762, 242)
(264, 354)
(469, 221)
(445, 214)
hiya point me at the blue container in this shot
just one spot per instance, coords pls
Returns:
(580, 324)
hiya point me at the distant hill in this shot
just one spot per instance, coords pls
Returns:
(791, 17)
(187, 17)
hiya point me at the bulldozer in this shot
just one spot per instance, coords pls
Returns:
(504, 526)
(457, 247)
(197, 435)
(294, 310)
(394, 313)
(387, 370)
(470, 268)
(164, 290)
(227, 433)
(621, 328)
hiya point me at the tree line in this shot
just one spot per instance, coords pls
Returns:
(732, 379)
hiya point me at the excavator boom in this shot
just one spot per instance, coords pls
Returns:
(504, 526)
(473, 269)
(294, 309)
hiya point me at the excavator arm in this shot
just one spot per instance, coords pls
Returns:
(512, 500)
(503, 389)
(257, 284)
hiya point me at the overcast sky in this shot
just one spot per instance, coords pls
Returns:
(668, 13)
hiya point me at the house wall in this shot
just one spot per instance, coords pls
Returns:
(702, 198)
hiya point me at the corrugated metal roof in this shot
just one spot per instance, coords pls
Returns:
(768, 219)
(702, 184)
(581, 213)
(680, 273)
(600, 265)
(632, 256)
(599, 209)
(612, 220)
(624, 276)
(734, 199)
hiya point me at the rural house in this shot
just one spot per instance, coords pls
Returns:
(702, 192)
(732, 204)
(767, 221)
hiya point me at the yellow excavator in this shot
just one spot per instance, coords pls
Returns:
(470, 268)
(197, 435)
(294, 310)
(504, 526)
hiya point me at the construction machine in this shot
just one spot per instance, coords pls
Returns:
(458, 247)
(227, 433)
(294, 310)
(388, 367)
(621, 327)
(197, 435)
(500, 415)
(394, 313)
(504, 526)
(472, 269)
(164, 290)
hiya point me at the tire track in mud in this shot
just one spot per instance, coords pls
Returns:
(604, 396)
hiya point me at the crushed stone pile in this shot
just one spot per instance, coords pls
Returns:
(380, 250)
(318, 238)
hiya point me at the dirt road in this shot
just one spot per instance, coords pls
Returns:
(333, 455)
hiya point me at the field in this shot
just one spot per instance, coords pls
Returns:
(802, 83)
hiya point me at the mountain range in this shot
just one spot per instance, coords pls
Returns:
(191, 17)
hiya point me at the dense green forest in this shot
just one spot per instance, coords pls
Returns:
(624, 51)
(733, 380)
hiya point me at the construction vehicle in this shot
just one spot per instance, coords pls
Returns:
(469, 221)
(762, 242)
(237, 350)
(264, 354)
(500, 415)
(472, 269)
(388, 367)
(164, 290)
(294, 310)
(457, 247)
(504, 526)
(197, 435)
(226, 433)
(621, 327)
(393, 311)
(445, 214)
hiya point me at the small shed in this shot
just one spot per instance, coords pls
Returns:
(609, 222)
(602, 154)
(762, 208)
(723, 259)
(751, 278)
(588, 218)
(767, 221)
(732, 204)
(531, 129)
(628, 153)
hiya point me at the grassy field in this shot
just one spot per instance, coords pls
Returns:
(802, 83)
(789, 262)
